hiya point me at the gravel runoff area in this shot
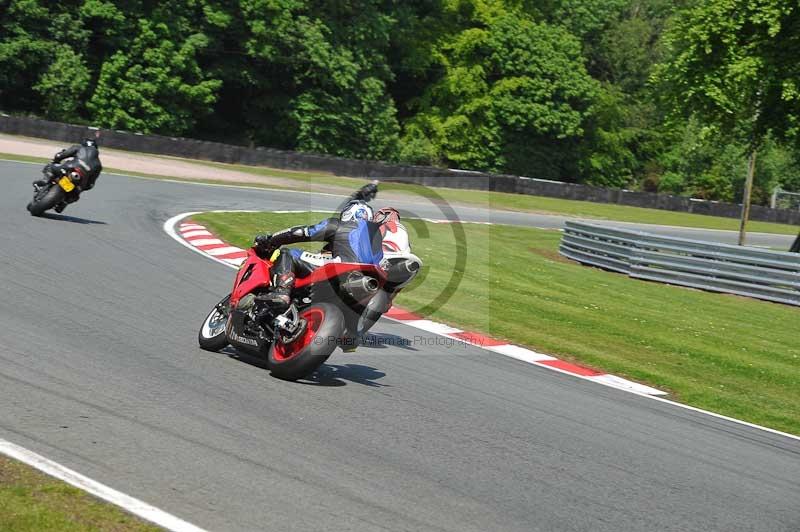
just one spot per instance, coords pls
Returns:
(148, 164)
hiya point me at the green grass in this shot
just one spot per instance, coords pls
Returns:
(311, 181)
(23, 158)
(736, 356)
(32, 502)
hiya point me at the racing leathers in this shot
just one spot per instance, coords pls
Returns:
(85, 161)
(351, 241)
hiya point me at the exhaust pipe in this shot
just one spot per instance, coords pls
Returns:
(359, 286)
(403, 271)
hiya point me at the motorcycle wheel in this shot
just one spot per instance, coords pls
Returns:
(212, 336)
(297, 359)
(46, 199)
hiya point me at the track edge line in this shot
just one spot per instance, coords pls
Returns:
(126, 502)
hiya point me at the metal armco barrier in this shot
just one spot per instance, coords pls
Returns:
(745, 271)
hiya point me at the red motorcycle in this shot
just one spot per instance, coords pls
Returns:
(331, 307)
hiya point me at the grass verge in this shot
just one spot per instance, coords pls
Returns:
(732, 355)
(310, 181)
(31, 501)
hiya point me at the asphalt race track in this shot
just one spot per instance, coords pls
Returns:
(100, 371)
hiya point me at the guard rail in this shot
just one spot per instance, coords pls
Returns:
(745, 271)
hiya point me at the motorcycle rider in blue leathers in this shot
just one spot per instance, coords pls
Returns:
(352, 237)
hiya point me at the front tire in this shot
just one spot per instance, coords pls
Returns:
(46, 200)
(297, 359)
(212, 336)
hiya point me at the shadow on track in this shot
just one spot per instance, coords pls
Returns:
(333, 375)
(72, 219)
(384, 340)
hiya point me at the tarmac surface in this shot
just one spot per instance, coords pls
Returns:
(100, 371)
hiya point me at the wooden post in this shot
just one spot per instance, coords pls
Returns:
(796, 246)
(748, 192)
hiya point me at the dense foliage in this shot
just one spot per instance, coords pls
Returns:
(649, 94)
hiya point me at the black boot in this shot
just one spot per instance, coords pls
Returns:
(279, 298)
(47, 175)
(61, 206)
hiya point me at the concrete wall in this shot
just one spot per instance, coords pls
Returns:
(424, 175)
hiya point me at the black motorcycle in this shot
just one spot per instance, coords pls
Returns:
(61, 186)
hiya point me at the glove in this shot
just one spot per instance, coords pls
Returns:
(366, 193)
(263, 247)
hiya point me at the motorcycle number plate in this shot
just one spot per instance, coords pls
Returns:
(67, 184)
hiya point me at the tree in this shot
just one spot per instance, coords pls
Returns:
(156, 85)
(513, 96)
(33, 35)
(330, 58)
(63, 85)
(733, 64)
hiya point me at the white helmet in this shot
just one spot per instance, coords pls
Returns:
(356, 210)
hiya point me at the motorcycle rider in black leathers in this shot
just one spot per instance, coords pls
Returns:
(352, 237)
(84, 162)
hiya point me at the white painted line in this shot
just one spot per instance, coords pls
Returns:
(520, 353)
(432, 326)
(204, 241)
(190, 227)
(235, 262)
(719, 416)
(224, 251)
(128, 503)
(625, 384)
(194, 233)
(169, 228)
(442, 221)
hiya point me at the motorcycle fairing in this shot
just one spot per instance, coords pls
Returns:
(254, 275)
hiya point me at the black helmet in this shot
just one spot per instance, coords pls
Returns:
(89, 143)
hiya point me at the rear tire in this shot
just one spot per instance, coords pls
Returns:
(212, 336)
(46, 200)
(302, 357)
